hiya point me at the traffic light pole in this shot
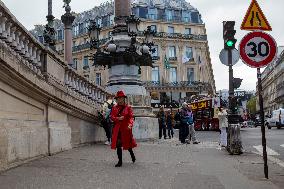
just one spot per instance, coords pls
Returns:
(231, 86)
(262, 123)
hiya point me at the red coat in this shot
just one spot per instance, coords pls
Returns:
(127, 140)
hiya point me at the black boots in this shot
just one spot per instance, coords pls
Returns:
(119, 155)
(132, 155)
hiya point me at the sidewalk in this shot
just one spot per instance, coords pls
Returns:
(164, 164)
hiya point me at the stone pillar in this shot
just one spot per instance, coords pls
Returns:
(122, 9)
(67, 20)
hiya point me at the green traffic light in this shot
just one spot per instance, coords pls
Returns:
(230, 43)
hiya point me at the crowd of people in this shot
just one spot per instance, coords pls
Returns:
(117, 119)
(182, 120)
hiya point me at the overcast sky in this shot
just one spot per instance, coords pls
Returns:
(31, 12)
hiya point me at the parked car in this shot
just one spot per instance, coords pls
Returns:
(248, 123)
(277, 119)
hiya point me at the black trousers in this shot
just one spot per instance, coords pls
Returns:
(184, 131)
(119, 149)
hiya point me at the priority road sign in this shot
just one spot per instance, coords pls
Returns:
(257, 49)
(255, 19)
(223, 56)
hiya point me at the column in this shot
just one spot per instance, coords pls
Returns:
(14, 42)
(3, 28)
(67, 20)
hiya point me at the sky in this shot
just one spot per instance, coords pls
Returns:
(32, 12)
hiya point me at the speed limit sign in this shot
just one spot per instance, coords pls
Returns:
(257, 49)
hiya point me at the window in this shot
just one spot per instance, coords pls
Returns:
(99, 22)
(105, 21)
(195, 17)
(152, 13)
(156, 51)
(74, 44)
(172, 51)
(86, 62)
(143, 11)
(177, 15)
(155, 74)
(59, 35)
(173, 75)
(86, 26)
(190, 74)
(109, 34)
(187, 31)
(75, 30)
(111, 20)
(75, 63)
(171, 29)
(185, 16)
(40, 38)
(188, 52)
(154, 28)
(81, 28)
(161, 14)
(169, 15)
(98, 78)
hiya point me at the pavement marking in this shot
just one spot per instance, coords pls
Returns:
(269, 151)
(272, 159)
(282, 145)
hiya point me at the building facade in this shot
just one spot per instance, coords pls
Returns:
(273, 84)
(182, 64)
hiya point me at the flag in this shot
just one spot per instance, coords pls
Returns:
(216, 102)
(167, 63)
(185, 59)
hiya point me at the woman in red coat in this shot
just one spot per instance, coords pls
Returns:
(122, 116)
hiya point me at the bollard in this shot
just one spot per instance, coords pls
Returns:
(234, 144)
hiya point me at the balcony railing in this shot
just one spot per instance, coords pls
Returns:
(178, 36)
(158, 35)
(196, 84)
(172, 58)
(155, 57)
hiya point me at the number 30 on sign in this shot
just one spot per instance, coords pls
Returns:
(257, 49)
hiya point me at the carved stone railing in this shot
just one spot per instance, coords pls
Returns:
(44, 69)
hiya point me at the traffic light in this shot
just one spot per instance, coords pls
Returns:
(237, 82)
(229, 34)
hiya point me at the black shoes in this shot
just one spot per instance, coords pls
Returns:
(119, 164)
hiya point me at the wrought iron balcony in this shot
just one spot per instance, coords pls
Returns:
(178, 36)
(172, 58)
(196, 84)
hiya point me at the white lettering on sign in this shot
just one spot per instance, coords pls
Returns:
(239, 93)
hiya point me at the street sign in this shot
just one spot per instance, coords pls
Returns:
(257, 49)
(255, 19)
(223, 56)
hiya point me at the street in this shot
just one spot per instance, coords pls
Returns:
(251, 138)
(160, 164)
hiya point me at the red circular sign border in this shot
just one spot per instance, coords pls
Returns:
(247, 60)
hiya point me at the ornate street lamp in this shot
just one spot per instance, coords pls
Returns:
(94, 33)
(120, 50)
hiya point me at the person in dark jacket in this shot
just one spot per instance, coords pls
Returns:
(170, 124)
(162, 123)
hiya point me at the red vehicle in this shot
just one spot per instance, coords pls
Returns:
(204, 116)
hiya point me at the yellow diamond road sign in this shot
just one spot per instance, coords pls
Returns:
(255, 19)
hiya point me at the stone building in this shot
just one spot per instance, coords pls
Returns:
(180, 41)
(273, 84)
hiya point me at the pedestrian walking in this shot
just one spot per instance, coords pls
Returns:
(187, 124)
(122, 137)
(162, 123)
(170, 124)
(107, 122)
(178, 123)
(223, 123)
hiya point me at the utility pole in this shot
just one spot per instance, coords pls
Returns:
(262, 122)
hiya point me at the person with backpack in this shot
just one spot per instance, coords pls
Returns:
(123, 119)
(107, 123)
(187, 124)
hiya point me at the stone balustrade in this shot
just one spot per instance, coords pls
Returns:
(44, 62)
(18, 40)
